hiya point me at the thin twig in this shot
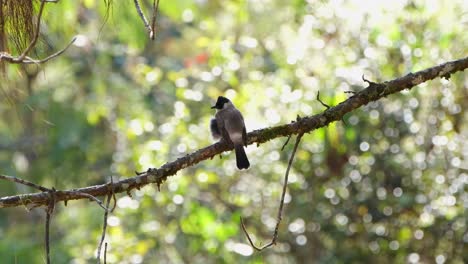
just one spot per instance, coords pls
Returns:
(47, 237)
(104, 227)
(318, 99)
(113, 194)
(280, 210)
(153, 19)
(142, 16)
(24, 182)
(49, 211)
(105, 253)
(106, 208)
(36, 33)
(46, 59)
(286, 143)
(28, 60)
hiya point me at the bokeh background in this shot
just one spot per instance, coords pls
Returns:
(389, 186)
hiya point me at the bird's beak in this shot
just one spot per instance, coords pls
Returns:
(213, 107)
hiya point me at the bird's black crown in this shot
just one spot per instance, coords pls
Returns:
(220, 102)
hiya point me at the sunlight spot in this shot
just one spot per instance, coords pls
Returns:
(178, 199)
(21, 162)
(216, 71)
(242, 249)
(152, 76)
(144, 160)
(394, 245)
(136, 127)
(136, 259)
(113, 221)
(202, 177)
(148, 126)
(341, 219)
(206, 76)
(81, 41)
(272, 116)
(301, 240)
(364, 146)
(248, 42)
(233, 65)
(329, 193)
(397, 192)
(154, 145)
(182, 148)
(127, 202)
(151, 226)
(440, 179)
(179, 108)
(413, 258)
(170, 238)
(426, 219)
(297, 226)
(418, 234)
(187, 16)
(181, 83)
(440, 259)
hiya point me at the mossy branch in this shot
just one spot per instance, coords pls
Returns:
(373, 92)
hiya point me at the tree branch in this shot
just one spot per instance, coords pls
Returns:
(373, 92)
(24, 182)
(279, 217)
(24, 58)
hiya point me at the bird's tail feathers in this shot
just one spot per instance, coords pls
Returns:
(241, 158)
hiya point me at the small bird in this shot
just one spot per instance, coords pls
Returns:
(228, 124)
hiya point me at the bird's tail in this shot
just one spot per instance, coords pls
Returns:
(241, 158)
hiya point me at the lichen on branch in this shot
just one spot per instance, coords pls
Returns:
(373, 92)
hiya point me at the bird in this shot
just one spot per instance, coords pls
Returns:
(229, 125)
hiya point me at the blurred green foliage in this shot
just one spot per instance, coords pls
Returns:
(389, 186)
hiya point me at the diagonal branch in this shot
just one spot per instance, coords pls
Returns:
(373, 92)
(24, 182)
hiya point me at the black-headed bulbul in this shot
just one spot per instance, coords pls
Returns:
(229, 125)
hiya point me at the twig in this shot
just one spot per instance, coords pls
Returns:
(46, 59)
(280, 210)
(104, 227)
(143, 18)
(24, 182)
(286, 143)
(49, 211)
(105, 253)
(318, 99)
(28, 60)
(47, 237)
(113, 194)
(93, 198)
(153, 20)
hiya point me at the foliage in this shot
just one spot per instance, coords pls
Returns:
(389, 186)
